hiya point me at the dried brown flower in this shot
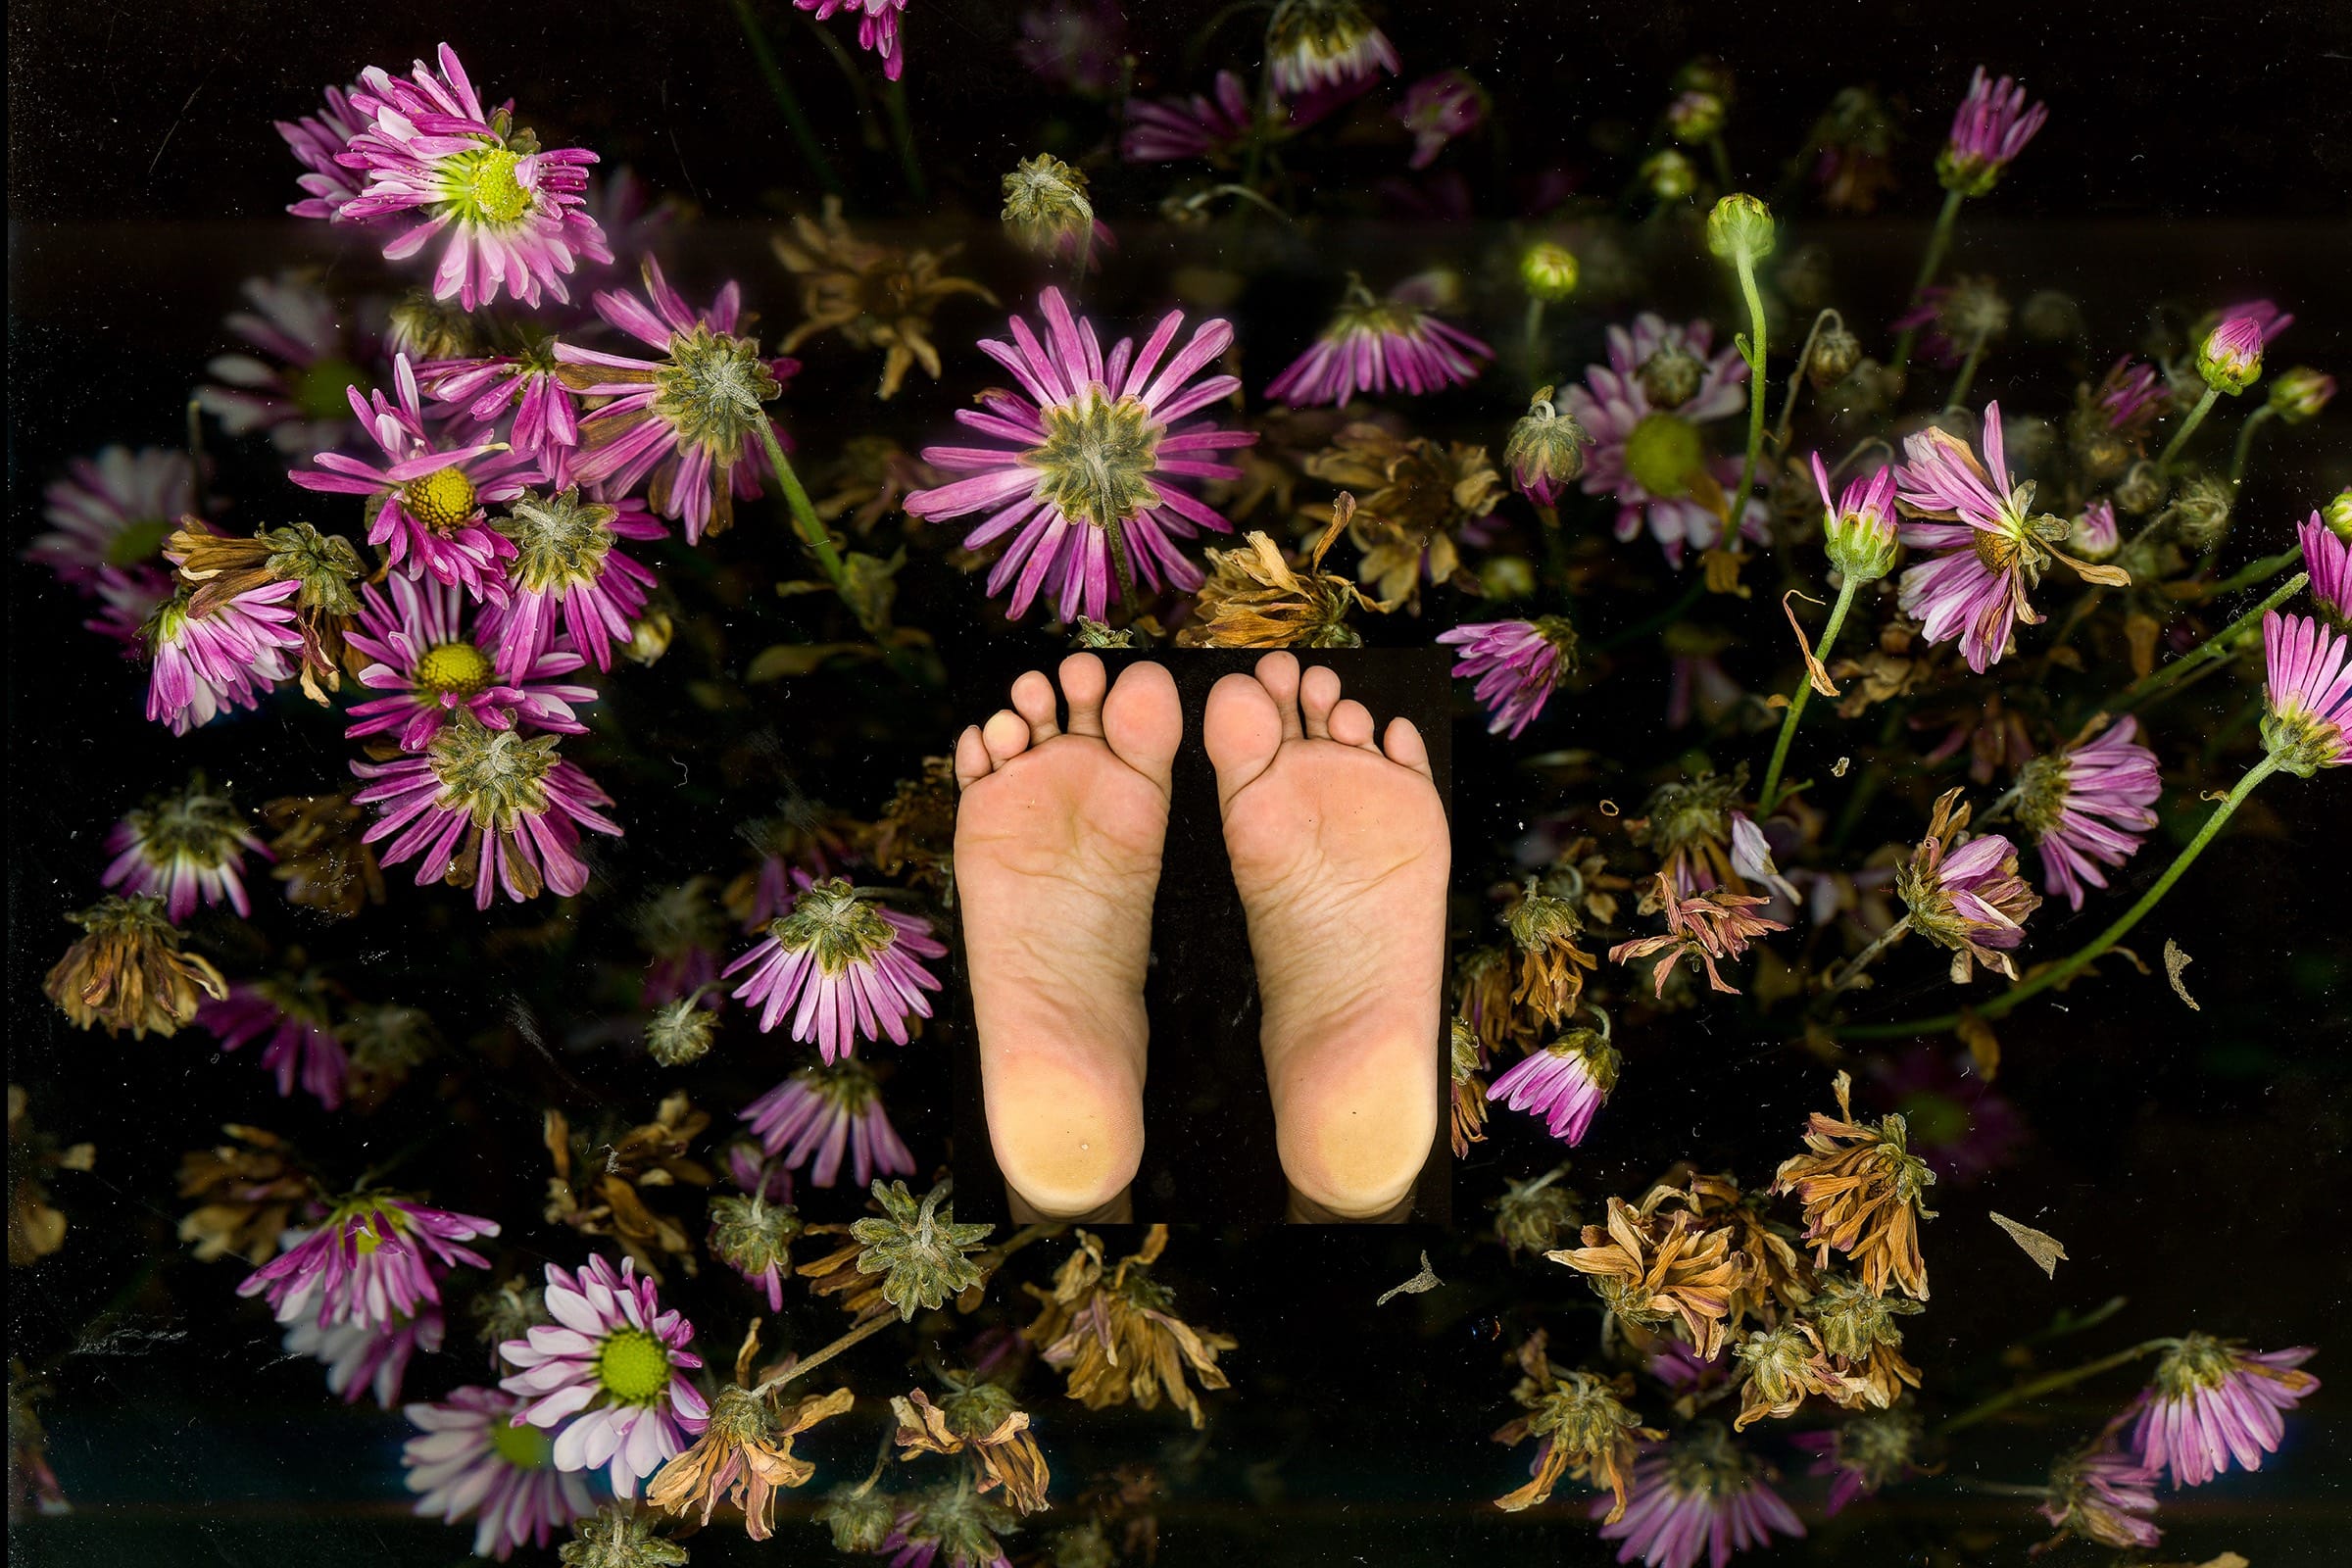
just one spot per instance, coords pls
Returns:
(320, 857)
(1891, 670)
(1857, 1329)
(606, 1199)
(1937, 915)
(1413, 497)
(978, 1418)
(1530, 1216)
(744, 1456)
(1862, 1190)
(251, 1189)
(1551, 980)
(1704, 927)
(1586, 1428)
(1688, 824)
(35, 1227)
(1255, 598)
(128, 972)
(1783, 1365)
(876, 296)
(1469, 1118)
(1483, 985)
(1659, 1269)
(916, 836)
(1113, 1335)
(1774, 1278)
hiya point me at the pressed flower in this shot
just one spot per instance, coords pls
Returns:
(297, 382)
(2104, 1497)
(1439, 108)
(545, 419)
(1213, 126)
(2329, 560)
(1545, 450)
(1968, 898)
(876, 296)
(846, 966)
(1651, 1271)
(1114, 1334)
(1774, 1279)
(1702, 1496)
(819, 1113)
(1552, 966)
(744, 1456)
(1530, 1216)
(426, 503)
(291, 1014)
(604, 1174)
(511, 209)
(113, 510)
(318, 142)
(252, 1191)
(1872, 1450)
(1087, 489)
(619, 1535)
(1648, 411)
(2212, 1401)
(982, 1420)
(1048, 212)
(608, 1377)
(877, 28)
(469, 1460)
(1703, 927)
(753, 1237)
(376, 1256)
(1586, 1429)
(487, 809)
(1375, 345)
(229, 573)
(1417, 502)
(2087, 805)
(1255, 598)
(184, 847)
(1313, 45)
(917, 1247)
(1516, 665)
(320, 855)
(128, 971)
(2307, 692)
(684, 424)
(364, 1357)
(1990, 128)
(1565, 1083)
(1863, 1191)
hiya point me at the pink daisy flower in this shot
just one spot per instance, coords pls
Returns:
(1703, 1496)
(223, 660)
(2132, 394)
(297, 383)
(433, 654)
(511, 212)
(1318, 45)
(1436, 110)
(2308, 693)
(1990, 127)
(877, 28)
(2329, 560)
(608, 1377)
(568, 571)
(1516, 663)
(375, 1258)
(1213, 125)
(2212, 1401)
(184, 848)
(546, 423)
(2087, 805)
(469, 1460)
(1565, 1083)
(1373, 344)
(1095, 444)
(846, 966)
(364, 1357)
(318, 142)
(114, 510)
(1646, 411)
(426, 502)
(819, 1113)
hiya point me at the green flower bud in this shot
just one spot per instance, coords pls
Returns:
(1741, 225)
(1670, 176)
(2338, 515)
(1835, 353)
(1548, 270)
(2301, 393)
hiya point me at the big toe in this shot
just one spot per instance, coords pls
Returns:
(1242, 730)
(1142, 720)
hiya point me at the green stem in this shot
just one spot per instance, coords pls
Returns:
(803, 514)
(2245, 442)
(2052, 1382)
(2067, 967)
(902, 135)
(1804, 690)
(795, 116)
(1796, 379)
(1968, 374)
(1756, 358)
(2196, 417)
(2268, 566)
(862, 1332)
(2211, 648)
(1940, 240)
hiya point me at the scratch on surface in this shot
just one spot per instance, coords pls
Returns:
(172, 129)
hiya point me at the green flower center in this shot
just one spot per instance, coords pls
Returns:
(456, 669)
(524, 1448)
(320, 388)
(830, 921)
(711, 390)
(484, 188)
(138, 541)
(442, 499)
(2198, 1361)
(1098, 458)
(559, 539)
(1664, 453)
(495, 777)
(634, 1367)
(2301, 740)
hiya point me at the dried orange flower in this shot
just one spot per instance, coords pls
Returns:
(1704, 927)
(1862, 1190)
(1483, 983)
(744, 1456)
(1784, 1364)
(128, 971)
(1113, 1335)
(978, 1418)
(1586, 1430)
(876, 296)
(607, 1199)
(1774, 1278)
(917, 833)
(1413, 496)
(1469, 1120)
(1552, 966)
(1659, 1269)
(252, 1189)
(1255, 598)
(1857, 1329)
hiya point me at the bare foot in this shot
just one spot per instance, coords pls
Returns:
(1057, 848)
(1341, 851)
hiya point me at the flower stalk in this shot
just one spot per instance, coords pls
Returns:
(1797, 704)
(2196, 417)
(2051, 1382)
(804, 512)
(1940, 240)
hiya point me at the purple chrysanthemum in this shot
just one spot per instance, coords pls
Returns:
(1647, 410)
(688, 419)
(1313, 46)
(1566, 1082)
(2132, 394)
(184, 848)
(1703, 1496)
(426, 500)
(1437, 109)
(486, 809)
(469, 1460)
(375, 1258)
(1088, 478)
(364, 1357)
(2307, 692)
(318, 142)
(2329, 560)
(1213, 124)
(511, 212)
(567, 573)
(223, 659)
(1516, 663)
(2212, 1401)
(296, 385)
(434, 654)
(546, 420)
(819, 1113)
(1858, 531)
(2087, 805)
(846, 966)
(113, 510)
(1990, 127)
(877, 28)
(609, 1375)
(1374, 344)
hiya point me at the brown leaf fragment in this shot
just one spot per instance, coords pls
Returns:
(1425, 1281)
(2175, 960)
(1983, 1045)
(1818, 676)
(2042, 1247)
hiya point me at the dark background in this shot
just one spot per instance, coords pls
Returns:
(2193, 1163)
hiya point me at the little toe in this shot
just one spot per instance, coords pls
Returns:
(1005, 735)
(1142, 722)
(1082, 685)
(972, 763)
(1352, 723)
(1277, 673)
(1318, 693)
(1404, 748)
(1033, 699)
(1241, 731)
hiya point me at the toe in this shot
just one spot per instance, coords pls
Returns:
(1404, 747)
(1005, 735)
(1318, 693)
(1082, 685)
(1033, 699)
(1277, 673)
(1241, 731)
(1142, 720)
(972, 763)
(1352, 723)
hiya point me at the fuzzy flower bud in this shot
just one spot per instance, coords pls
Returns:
(2200, 512)
(1858, 530)
(1835, 353)
(1047, 209)
(1670, 176)
(2141, 489)
(1671, 376)
(2301, 393)
(1548, 270)
(2230, 360)
(1739, 227)
(680, 1031)
(1545, 450)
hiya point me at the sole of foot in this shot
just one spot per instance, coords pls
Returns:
(1341, 851)
(1060, 827)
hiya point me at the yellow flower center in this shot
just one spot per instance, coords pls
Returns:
(1663, 454)
(457, 669)
(634, 1367)
(523, 1448)
(442, 499)
(484, 186)
(1098, 458)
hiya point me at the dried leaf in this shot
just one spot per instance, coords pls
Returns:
(1984, 1047)
(1818, 676)
(1426, 1280)
(2042, 1247)
(2139, 630)
(1839, 767)
(2175, 960)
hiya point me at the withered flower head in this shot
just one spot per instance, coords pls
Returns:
(1689, 825)
(221, 569)
(1579, 873)
(385, 1042)
(35, 1227)
(1552, 966)
(743, 1457)
(1254, 598)
(1531, 1215)
(128, 972)
(2102, 1495)
(921, 1253)
(619, 1536)
(860, 1519)
(1704, 927)
(876, 296)
(1875, 1449)
(753, 1237)
(1046, 210)
(427, 328)
(1658, 1269)
(1483, 984)
(1862, 1190)
(1857, 1328)
(1114, 1336)
(1774, 1278)
(1469, 1090)
(321, 855)
(1586, 1427)
(1092, 633)
(1784, 1364)
(508, 1312)
(1415, 498)
(917, 833)
(249, 1191)
(607, 1196)
(957, 1525)
(981, 1419)
(1546, 449)
(1969, 899)
(679, 1033)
